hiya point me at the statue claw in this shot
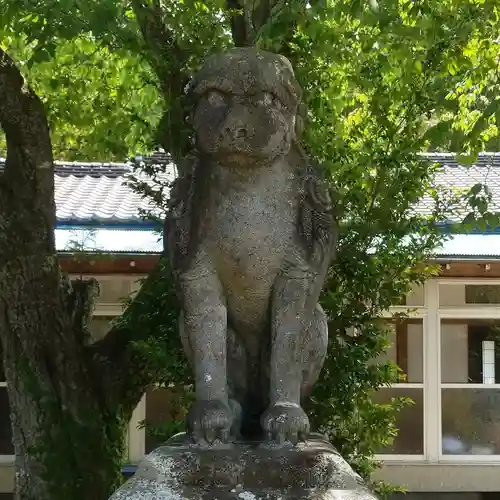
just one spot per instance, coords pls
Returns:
(209, 422)
(285, 423)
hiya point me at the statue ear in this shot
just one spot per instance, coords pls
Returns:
(189, 110)
(189, 101)
(299, 120)
(299, 126)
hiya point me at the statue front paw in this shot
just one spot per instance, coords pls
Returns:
(209, 421)
(285, 422)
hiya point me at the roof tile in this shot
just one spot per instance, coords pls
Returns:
(90, 192)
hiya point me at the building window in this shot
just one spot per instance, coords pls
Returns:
(450, 355)
(406, 350)
(415, 297)
(470, 351)
(482, 294)
(6, 446)
(410, 421)
(116, 289)
(470, 393)
(470, 421)
(467, 335)
(460, 294)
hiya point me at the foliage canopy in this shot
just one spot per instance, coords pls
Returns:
(382, 83)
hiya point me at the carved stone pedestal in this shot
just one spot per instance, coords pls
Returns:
(244, 471)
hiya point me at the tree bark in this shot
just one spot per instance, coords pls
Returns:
(248, 17)
(68, 427)
(242, 36)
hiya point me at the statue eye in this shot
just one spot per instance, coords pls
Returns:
(269, 99)
(216, 98)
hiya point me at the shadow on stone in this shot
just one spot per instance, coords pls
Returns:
(244, 471)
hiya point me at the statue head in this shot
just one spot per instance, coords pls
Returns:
(245, 106)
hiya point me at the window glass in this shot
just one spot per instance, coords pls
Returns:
(406, 349)
(470, 351)
(482, 294)
(461, 295)
(114, 290)
(6, 446)
(451, 295)
(410, 421)
(470, 421)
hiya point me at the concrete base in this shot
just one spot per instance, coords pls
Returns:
(244, 471)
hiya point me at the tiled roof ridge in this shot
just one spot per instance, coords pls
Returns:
(448, 154)
(91, 169)
(115, 170)
(484, 160)
(64, 168)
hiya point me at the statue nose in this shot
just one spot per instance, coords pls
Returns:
(236, 132)
(240, 133)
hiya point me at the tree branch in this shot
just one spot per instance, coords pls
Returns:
(239, 28)
(151, 318)
(169, 63)
(261, 13)
(249, 17)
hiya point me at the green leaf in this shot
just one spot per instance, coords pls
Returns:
(476, 189)
(468, 160)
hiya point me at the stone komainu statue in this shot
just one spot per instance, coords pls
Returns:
(250, 235)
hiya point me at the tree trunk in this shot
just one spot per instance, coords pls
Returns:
(68, 415)
(68, 443)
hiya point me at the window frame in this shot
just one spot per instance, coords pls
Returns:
(464, 312)
(412, 312)
(432, 314)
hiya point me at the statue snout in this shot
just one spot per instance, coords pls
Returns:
(236, 131)
(240, 133)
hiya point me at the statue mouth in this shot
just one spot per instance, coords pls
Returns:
(243, 150)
